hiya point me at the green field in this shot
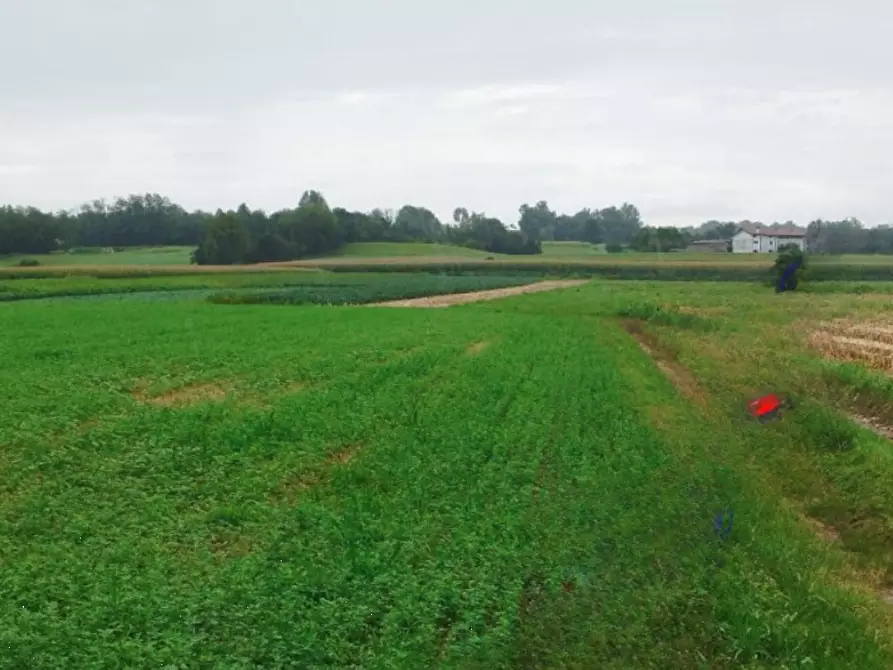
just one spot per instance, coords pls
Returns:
(558, 259)
(402, 249)
(513, 484)
(129, 256)
(269, 287)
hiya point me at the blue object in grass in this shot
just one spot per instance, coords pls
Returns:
(788, 280)
(722, 524)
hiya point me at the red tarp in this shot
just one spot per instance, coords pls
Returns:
(765, 405)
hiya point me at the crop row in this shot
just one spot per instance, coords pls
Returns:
(658, 270)
(329, 283)
(376, 289)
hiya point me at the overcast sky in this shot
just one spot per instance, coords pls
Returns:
(690, 110)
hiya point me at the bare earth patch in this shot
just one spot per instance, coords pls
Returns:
(477, 347)
(185, 395)
(345, 455)
(231, 545)
(699, 311)
(874, 424)
(294, 486)
(477, 296)
(821, 529)
(678, 374)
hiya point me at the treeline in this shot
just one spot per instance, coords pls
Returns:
(849, 236)
(311, 229)
(314, 229)
(138, 220)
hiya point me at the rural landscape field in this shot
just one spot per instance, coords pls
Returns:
(446, 336)
(265, 469)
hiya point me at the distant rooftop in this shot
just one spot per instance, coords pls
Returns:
(774, 231)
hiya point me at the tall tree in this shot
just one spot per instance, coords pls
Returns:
(417, 223)
(537, 222)
(311, 197)
(226, 242)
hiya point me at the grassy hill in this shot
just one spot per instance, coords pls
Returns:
(130, 256)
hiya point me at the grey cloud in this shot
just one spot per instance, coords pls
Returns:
(692, 111)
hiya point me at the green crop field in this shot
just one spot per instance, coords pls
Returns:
(526, 483)
(387, 287)
(270, 287)
(401, 249)
(558, 259)
(127, 256)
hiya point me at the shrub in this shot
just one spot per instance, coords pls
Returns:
(29, 263)
(789, 255)
(614, 248)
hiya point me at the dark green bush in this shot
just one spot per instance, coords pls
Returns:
(29, 263)
(614, 248)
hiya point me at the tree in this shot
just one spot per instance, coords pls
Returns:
(537, 222)
(712, 230)
(659, 239)
(788, 264)
(416, 224)
(226, 242)
(271, 247)
(311, 197)
(584, 226)
(460, 215)
(620, 225)
(479, 231)
(842, 237)
(312, 228)
(361, 227)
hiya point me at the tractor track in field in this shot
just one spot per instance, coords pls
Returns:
(680, 376)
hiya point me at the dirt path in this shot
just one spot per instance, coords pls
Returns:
(461, 298)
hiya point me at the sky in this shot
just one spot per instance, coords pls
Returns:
(691, 111)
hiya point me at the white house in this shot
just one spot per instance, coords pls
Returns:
(751, 238)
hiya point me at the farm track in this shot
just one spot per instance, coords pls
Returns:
(478, 296)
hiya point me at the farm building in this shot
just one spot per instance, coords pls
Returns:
(751, 238)
(709, 245)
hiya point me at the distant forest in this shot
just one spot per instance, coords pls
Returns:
(313, 228)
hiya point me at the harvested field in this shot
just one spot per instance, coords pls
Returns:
(867, 342)
(462, 298)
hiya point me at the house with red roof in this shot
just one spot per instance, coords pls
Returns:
(752, 238)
